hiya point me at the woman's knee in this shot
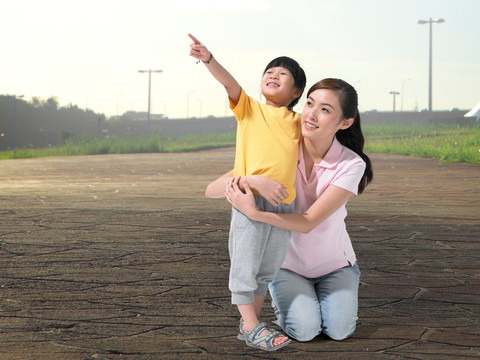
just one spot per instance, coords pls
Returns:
(303, 332)
(309, 329)
(340, 330)
(300, 321)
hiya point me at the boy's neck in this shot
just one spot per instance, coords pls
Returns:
(278, 104)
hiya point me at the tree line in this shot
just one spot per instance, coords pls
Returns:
(41, 123)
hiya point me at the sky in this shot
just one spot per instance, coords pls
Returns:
(88, 53)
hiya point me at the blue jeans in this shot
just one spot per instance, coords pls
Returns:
(307, 307)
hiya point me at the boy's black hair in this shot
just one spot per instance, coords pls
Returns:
(296, 70)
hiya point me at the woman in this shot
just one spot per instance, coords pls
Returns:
(316, 290)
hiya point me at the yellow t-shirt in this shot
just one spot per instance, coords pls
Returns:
(267, 142)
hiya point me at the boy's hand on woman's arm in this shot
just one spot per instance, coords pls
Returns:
(270, 189)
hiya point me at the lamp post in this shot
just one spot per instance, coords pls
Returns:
(149, 71)
(430, 22)
(403, 90)
(394, 93)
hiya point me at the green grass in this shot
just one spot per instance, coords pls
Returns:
(124, 145)
(449, 143)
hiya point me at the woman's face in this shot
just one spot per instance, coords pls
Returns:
(322, 114)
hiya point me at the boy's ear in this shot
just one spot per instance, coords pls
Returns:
(346, 123)
(297, 92)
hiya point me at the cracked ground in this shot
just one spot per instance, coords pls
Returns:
(121, 257)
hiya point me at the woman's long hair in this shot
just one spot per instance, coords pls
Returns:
(352, 137)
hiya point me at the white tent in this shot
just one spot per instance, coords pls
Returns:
(475, 112)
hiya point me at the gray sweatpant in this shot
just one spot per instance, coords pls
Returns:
(257, 251)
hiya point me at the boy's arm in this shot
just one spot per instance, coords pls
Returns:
(216, 188)
(200, 52)
(270, 189)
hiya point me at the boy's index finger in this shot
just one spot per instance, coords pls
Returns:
(194, 39)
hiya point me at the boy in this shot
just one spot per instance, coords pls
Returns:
(267, 144)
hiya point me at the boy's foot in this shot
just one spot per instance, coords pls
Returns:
(262, 337)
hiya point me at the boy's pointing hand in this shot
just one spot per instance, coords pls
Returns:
(198, 50)
(194, 39)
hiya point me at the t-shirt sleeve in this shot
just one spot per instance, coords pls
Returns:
(243, 108)
(350, 177)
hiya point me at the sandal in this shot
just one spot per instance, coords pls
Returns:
(263, 342)
(240, 335)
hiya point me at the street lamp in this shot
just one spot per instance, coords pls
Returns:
(394, 93)
(430, 22)
(149, 71)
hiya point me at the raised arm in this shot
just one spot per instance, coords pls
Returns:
(200, 52)
(329, 202)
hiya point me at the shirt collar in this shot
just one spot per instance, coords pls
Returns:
(330, 159)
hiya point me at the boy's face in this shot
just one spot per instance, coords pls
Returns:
(278, 87)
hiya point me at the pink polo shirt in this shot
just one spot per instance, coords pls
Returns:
(327, 247)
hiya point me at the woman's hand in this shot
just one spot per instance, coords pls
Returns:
(270, 189)
(244, 202)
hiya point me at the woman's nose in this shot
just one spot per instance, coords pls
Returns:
(312, 116)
